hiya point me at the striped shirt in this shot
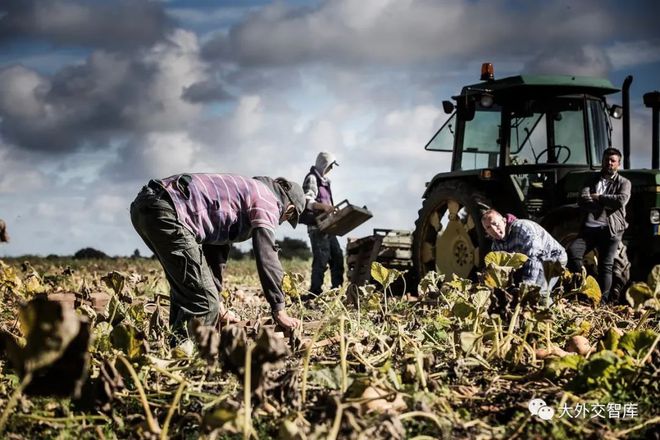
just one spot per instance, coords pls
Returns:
(222, 208)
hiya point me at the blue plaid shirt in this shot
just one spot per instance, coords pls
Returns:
(529, 238)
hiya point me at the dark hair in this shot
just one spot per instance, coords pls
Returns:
(612, 152)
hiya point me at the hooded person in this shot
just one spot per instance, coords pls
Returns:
(325, 248)
(190, 221)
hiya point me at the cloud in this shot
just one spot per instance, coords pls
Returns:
(116, 25)
(578, 60)
(624, 55)
(205, 91)
(403, 32)
(110, 94)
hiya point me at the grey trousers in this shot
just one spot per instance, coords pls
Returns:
(193, 292)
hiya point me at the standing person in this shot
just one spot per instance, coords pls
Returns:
(190, 221)
(4, 236)
(603, 202)
(511, 234)
(325, 248)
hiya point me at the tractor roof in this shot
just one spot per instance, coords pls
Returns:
(542, 85)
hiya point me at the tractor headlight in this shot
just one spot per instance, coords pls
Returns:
(654, 216)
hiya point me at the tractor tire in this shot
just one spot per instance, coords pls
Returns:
(448, 235)
(568, 231)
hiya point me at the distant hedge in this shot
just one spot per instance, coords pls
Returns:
(89, 254)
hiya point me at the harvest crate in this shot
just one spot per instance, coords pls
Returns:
(343, 219)
(390, 247)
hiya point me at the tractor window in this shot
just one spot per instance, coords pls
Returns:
(569, 132)
(481, 147)
(528, 138)
(598, 130)
(443, 140)
(536, 126)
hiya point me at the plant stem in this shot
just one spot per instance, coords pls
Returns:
(151, 422)
(247, 392)
(308, 354)
(342, 353)
(336, 424)
(13, 400)
(170, 413)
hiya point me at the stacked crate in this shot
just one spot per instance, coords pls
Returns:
(390, 247)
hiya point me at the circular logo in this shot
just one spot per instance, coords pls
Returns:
(535, 405)
(546, 413)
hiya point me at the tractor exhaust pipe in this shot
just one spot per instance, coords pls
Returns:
(625, 94)
(652, 100)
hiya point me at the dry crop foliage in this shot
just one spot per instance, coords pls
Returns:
(462, 359)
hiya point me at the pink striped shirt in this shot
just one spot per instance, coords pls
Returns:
(223, 208)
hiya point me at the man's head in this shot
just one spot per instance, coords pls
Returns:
(611, 161)
(296, 198)
(494, 224)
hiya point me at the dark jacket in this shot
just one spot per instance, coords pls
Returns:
(613, 202)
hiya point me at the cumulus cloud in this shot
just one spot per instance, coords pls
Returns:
(410, 31)
(108, 95)
(120, 24)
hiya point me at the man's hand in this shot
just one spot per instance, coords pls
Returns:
(323, 207)
(285, 321)
(594, 196)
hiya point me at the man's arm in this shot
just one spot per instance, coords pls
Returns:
(269, 267)
(271, 273)
(618, 200)
(311, 192)
(585, 200)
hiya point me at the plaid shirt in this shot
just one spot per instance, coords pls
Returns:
(529, 238)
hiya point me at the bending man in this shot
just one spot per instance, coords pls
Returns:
(190, 221)
(511, 234)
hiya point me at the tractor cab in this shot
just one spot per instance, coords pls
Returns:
(532, 129)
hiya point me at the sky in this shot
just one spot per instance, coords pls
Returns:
(97, 97)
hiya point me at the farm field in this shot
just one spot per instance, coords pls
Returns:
(464, 359)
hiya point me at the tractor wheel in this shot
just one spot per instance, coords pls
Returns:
(448, 234)
(566, 232)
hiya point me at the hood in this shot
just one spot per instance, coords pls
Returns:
(323, 161)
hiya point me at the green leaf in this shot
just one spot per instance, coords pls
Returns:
(637, 343)
(130, 340)
(326, 377)
(467, 340)
(554, 367)
(640, 295)
(591, 289)
(430, 281)
(611, 340)
(481, 298)
(506, 259)
(383, 275)
(463, 310)
(654, 279)
(115, 281)
(291, 284)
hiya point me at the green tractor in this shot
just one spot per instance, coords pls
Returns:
(526, 145)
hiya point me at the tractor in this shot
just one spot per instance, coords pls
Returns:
(526, 145)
